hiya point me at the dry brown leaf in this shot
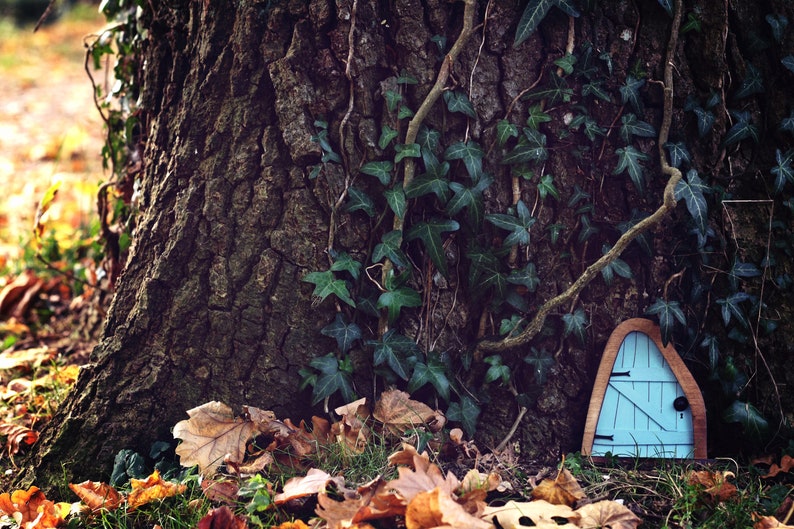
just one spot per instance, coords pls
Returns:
(378, 501)
(297, 524)
(26, 359)
(420, 476)
(769, 522)
(96, 495)
(222, 518)
(786, 464)
(260, 462)
(607, 514)
(398, 412)
(354, 408)
(564, 490)
(32, 510)
(150, 489)
(715, 484)
(13, 295)
(16, 435)
(306, 442)
(543, 515)
(438, 509)
(313, 482)
(211, 434)
(220, 491)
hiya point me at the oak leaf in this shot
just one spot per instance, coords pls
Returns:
(438, 509)
(370, 501)
(398, 412)
(608, 514)
(211, 434)
(222, 518)
(32, 510)
(564, 490)
(541, 514)
(420, 475)
(96, 495)
(150, 489)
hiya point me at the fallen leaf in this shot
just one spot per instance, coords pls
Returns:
(313, 482)
(44, 206)
(212, 433)
(262, 461)
(150, 489)
(27, 358)
(769, 522)
(786, 464)
(17, 434)
(715, 484)
(398, 412)
(31, 509)
(437, 508)
(420, 476)
(607, 514)
(96, 495)
(305, 442)
(297, 524)
(222, 518)
(541, 514)
(220, 491)
(353, 407)
(564, 490)
(13, 293)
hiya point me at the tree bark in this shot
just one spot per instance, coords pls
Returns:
(211, 305)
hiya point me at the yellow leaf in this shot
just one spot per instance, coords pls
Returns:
(211, 434)
(564, 490)
(150, 489)
(97, 495)
(44, 206)
(31, 509)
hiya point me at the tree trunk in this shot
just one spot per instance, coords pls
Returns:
(211, 305)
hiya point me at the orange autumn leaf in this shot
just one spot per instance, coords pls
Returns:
(398, 412)
(437, 508)
(16, 435)
(368, 502)
(564, 490)
(150, 489)
(420, 476)
(297, 524)
(222, 518)
(97, 495)
(714, 484)
(31, 509)
(786, 465)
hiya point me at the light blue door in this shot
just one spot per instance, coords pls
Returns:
(644, 412)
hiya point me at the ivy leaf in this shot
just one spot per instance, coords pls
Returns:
(678, 153)
(531, 146)
(535, 11)
(788, 62)
(468, 197)
(326, 284)
(778, 24)
(406, 151)
(471, 154)
(518, 225)
(406, 78)
(546, 187)
(787, 124)
(505, 130)
(434, 373)
(753, 83)
(629, 160)
(466, 412)
(343, 262)
(783, 171)
(753, 422)
(344, 333)
(427, 184)
(429, 140)
(596, 89)
(576, 324)
(394, 350)
(630, 93)
(536, 117)
(430, 235)
(497, 370)
(566, 63)
(541, 362)
(558, 92)
(484, 271)
(705, 120)
(396, 199)
(568, 8)
(392, 99)
(404, 112)
(668, 6)
(691, 190)
(587, 230)
(631, 126)
(458, 101)
(394, 300)
(526, 276)
(380, 170)
(389, 247)
(387, 134)
(712, 347)
(331, 379)
(577, 196)
(741, 270)
(617, 266)
(358, 200)
(668, 312)
(730, 307)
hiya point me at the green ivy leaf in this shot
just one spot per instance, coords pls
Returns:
(393, 99)
(667, 312)
(787, 124)
(466, 412)
(468, 197)
(678, 153)
(741, 270)
(396, 199)
(629, 159)
(566, 63)
(344, 333)
(778, 24)
(518, 225)
(705, 120)
(497, 370)
(541, 362)
(331, 379)
(617, 266)
(380, 170)
(526, 276)
(691, 190)
(788, 62)
(531, 146)
(358, 200)
(596, 89)
(631, 126)
(536, 117)
(389, 247)
(404, 112)
(588, 230)
(711, 345)
(568, 8)
(458, 101)
(394, 300)
(535, 11)
(343, 262)
(504, 131)
(783, 171)
(576, 324)
(471, 153)
(429, 141)
(752, 83)
(326, 284)
(577, 196)
(406, 78)
(430, 234)
(426, 184)
(406, 151)
(396, 351)
(387, 134)
(741, 130)
(559, 92)
(730, 306)
(434, 373)
(753, 422)
(630, 93)
(546, 187)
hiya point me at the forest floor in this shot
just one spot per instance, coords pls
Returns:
(50, 131)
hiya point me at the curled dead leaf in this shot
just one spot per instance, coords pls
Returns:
(564, 490)
(398, 412)
(313, 482)
(608, 514)
(150, 489)
(769, 522)
(31, 509)
(16, 435)
(420, 475)
(222, 518)
(786, 465)
(715, 485)
(96, 495)
(437, 508)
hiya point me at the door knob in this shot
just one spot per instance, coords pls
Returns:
(680, 404)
